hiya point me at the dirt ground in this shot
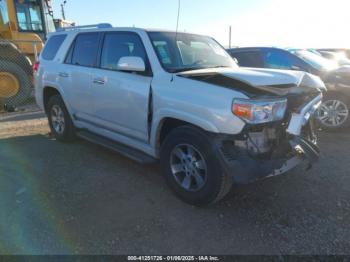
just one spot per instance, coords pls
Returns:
(82, 199)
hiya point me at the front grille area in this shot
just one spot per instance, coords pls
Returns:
(298, 101)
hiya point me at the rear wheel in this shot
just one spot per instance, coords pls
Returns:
(60, 122)
(334, 112)
(15, 84)
(191, 167)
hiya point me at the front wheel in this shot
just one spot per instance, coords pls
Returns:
(334, 112)
(191, 167)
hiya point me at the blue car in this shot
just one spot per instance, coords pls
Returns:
(334, 112)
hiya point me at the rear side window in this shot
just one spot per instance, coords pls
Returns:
(51, 48)
(85, 49)
(249, 59)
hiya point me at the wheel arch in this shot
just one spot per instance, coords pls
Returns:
(168, 123)
(48, 92)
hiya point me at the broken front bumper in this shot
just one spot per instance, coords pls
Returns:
(295, 150)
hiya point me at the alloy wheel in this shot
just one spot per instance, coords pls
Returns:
(188, 167)
(333, 113)
(57, 119)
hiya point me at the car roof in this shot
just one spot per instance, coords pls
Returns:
(78, 29)
(258, 48)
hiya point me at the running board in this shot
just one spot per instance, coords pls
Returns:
(126, 151)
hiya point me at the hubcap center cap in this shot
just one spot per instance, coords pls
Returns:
(190, 175)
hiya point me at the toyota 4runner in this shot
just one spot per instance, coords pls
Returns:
(181, 99)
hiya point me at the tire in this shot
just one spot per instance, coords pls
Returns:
(24, 81)
(335, 103)
(57, 112)
(216, 184)
(9, 52)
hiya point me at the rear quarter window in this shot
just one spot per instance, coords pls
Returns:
(52, 46)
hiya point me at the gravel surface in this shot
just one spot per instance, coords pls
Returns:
(82, 199)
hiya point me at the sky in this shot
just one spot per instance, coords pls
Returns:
(283, 23)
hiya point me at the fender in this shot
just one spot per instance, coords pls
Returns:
(163, 114)
(49, 84)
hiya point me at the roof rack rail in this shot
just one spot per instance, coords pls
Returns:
(98, 26)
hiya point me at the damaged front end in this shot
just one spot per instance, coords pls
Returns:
(271, 149)
(279, 116)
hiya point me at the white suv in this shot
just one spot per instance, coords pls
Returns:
(181, 99)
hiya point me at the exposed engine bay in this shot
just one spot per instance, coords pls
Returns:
(271, 149)
(258, 143)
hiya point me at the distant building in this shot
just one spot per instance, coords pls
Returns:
(59, 23)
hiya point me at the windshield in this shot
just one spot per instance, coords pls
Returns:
(189, 52)
(29, 15)
(316, 61)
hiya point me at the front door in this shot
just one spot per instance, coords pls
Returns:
(121, 99)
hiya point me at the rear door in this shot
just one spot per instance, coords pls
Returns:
(75, 75)
(121, 99)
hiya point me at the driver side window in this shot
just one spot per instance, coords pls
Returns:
(118, 45)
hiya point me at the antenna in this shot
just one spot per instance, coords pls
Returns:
(178, 18)
(230, 37)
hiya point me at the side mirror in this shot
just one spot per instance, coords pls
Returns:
(132, 64)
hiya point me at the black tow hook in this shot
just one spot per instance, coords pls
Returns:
(307, 149)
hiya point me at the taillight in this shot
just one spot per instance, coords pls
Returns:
(36, 66)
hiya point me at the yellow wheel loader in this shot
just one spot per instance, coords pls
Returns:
(24, 25)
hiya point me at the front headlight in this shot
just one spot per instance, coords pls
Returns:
(259, 111)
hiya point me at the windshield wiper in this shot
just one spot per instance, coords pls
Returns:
(220, 66)
(194, 68)
(184, 69)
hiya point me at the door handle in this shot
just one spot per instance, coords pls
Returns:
(99, 81)
(63, 74)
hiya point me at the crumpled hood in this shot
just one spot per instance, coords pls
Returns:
(257, 81)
